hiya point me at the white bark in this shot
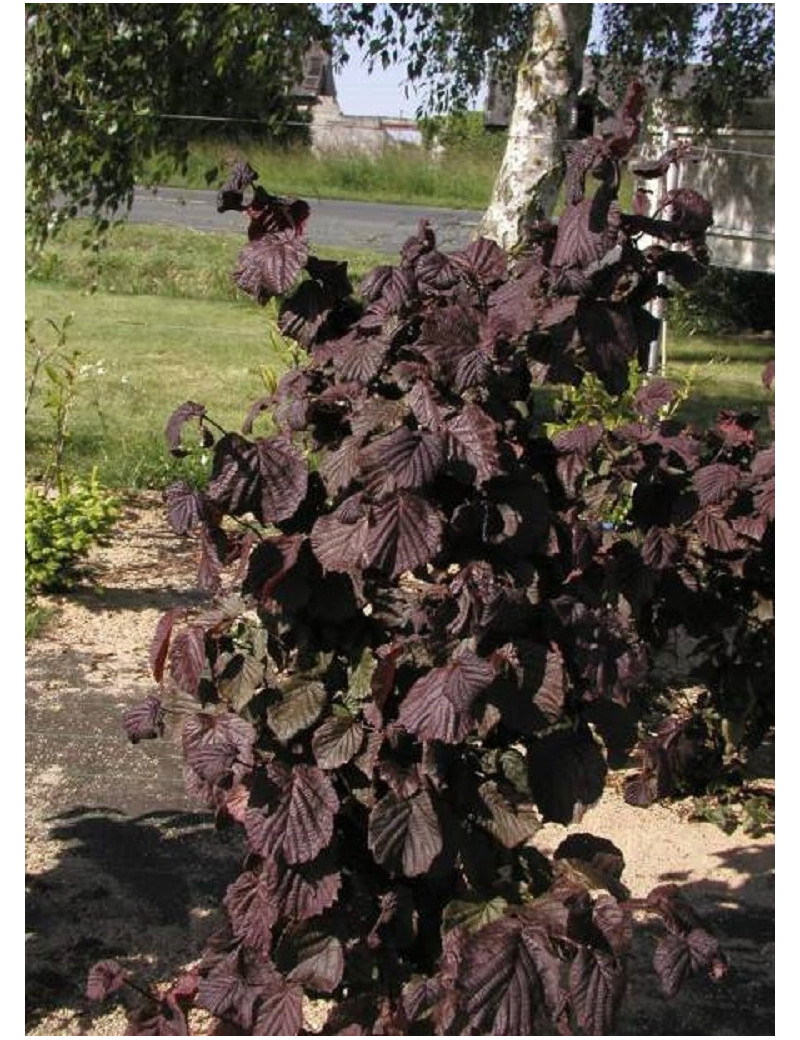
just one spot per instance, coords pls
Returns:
(547, 84)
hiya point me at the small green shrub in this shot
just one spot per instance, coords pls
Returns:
(60, 528)
(725, 301)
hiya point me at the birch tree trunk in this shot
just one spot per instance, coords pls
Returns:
(547, 84)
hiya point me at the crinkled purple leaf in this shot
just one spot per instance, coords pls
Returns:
(509, 820)
(187, 658)
(376, 415)
(169, 1020)
(144, 721)
(337, 741)
(586, 232)
(159, 647)
(509, 977)
(597, 983)
(216, 745)
(340, 467)
(298, 821)
(715, 483)
(426, 404)
(402, 459)
(280, 1009)
(483, 261)
(436, 273)
(715, 531)
(438, 706)
(660, 548)
(272, 213)
(269, 265)
(268, 477)
(305, 890)
(304, 312)
(653, 396)
(184, 507)
(395, 285)
(320, 962)
(176, 422)
(362, 361)
(252, 908)
(405, 533)
(301, 703)
(677, 957)
(339, 538)
(404, 834)
(105, 977)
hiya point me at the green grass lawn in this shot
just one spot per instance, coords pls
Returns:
(150, 260)
(142, 357)
(166, 325)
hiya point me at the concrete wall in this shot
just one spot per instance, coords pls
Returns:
(332, 131)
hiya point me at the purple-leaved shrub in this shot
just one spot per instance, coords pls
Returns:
(427, 639)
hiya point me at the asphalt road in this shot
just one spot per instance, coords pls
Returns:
(357, 225)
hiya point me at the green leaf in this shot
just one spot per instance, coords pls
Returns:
(301, 704)
(472, 914)
(359, 687)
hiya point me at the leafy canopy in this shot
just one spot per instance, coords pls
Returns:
(102, 81)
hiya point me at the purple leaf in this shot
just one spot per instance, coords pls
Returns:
(305, 890)
(404, 834)
(472, 439)
(405, 533)
(320, 962)
(176, 422)
(715, 531)
(337, 741)
(159, 646)
(402, 459)
(511, 821)
(653, 396)
(253, 909)
(184, 507)
(280, 1010)
(187, 658)
(169, 1020)
(269, 265)
(715, 483)
(509, 976)
(597, 983)
(339, 539)
(438, 706)
(339, 468)
(362, 361)
(298, 820)
(105, 977)
(145, 721)
(483, 261)
(216, 746)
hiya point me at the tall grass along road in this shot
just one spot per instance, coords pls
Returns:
(378, 226)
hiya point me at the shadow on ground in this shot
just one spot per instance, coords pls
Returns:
(144, 888)
(742, 917)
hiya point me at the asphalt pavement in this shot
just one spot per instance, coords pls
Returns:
(333, 222)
